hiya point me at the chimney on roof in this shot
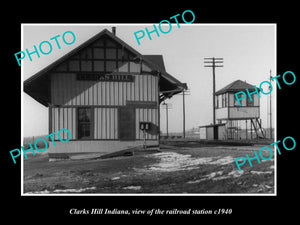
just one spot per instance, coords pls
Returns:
(113, 29)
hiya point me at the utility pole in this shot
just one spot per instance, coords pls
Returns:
(167, 120)
(213, 62)
(270, 105)
(168, 106)
(184, 93)
(183, 114)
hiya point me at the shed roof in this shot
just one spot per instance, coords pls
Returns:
(235, 86)
(213, 125)
(37, 86)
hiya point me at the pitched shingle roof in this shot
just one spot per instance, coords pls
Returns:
(236, 86)
(37, 85)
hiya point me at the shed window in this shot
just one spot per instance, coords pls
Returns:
(249, 102)
(236, 103)
(220, 101)
(85, 121)
(223, 101)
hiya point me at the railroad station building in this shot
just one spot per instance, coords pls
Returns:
(101, 91)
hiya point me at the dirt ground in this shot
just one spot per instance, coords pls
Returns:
(174, 170)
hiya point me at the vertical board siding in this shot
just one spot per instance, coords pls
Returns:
(141, 94)
(106, 123)
(66, 90)
(64, 118)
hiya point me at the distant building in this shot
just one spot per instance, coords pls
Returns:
(100, 92)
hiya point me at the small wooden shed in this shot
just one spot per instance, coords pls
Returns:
(100, 92)
(213, 132)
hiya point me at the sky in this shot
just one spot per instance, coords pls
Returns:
(249, 52)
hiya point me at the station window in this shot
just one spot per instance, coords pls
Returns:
(84, 119)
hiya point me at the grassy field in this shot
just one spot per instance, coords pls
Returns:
(185, 169)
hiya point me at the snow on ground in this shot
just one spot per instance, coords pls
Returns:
(261, 172)
(132, 188)
(172, 161)
(218, 176)
(63, 191)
